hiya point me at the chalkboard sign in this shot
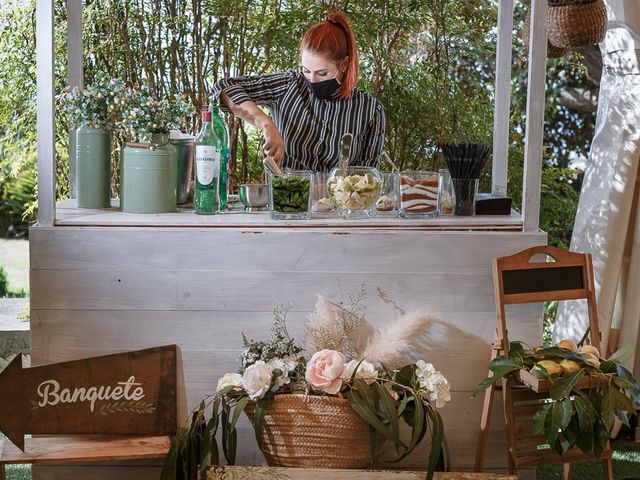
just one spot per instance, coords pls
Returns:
(534, 280)
(126, 393)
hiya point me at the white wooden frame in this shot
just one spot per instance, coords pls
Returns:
(535, 103)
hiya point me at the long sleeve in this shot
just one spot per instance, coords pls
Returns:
(264, 90)
(374, 138)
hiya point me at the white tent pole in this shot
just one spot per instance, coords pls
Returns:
(46, 113)
(74, 74)
(502, 98)
(533, 147)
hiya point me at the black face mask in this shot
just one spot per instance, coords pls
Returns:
(325, 89)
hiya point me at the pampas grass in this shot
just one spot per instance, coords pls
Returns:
(334, 327)
(389, 347)
(322, 331)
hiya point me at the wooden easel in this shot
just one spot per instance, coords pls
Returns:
(517, 279)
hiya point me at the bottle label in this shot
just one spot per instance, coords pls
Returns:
(207, 164)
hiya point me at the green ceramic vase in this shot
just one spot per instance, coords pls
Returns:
(148, 178)
(93, 167)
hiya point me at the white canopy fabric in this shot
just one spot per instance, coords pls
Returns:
(608, 219)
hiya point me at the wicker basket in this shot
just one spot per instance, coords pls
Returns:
(313, 432)
(576, 25)
(552, 51)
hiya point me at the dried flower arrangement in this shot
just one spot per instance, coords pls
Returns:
(97, 105)
(134, 112)
(143, 115)
(350, 359)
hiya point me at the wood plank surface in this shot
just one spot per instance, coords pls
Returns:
(107, 290)
(69, 215)
(217, 472)
(272, 250)
(93, 472)
(85, 448)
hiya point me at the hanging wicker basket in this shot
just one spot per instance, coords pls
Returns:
(552, 51)
(575, 23)
(313, 432)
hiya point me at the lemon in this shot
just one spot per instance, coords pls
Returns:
(568, 344)
(552, 368)
(569, 366)
(590, 349)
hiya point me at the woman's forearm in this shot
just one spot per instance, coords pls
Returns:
(247, 111)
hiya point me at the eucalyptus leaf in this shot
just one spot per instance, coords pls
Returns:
(225, 429)
(437, 436)
(361, 407)
(418, 427)
(388, 408)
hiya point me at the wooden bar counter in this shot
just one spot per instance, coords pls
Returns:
(103, 281)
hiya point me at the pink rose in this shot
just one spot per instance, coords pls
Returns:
(324, 371)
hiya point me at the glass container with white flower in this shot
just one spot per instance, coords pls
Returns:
(355, 388)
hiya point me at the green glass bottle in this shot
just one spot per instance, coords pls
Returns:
(221, 131)
(208, 153)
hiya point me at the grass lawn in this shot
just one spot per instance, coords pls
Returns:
(18, 472)
(626, 465)
(14, 258)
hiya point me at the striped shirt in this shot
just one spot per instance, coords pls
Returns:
(312, 128)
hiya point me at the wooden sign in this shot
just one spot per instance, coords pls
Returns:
(219, 472)
(126, 393)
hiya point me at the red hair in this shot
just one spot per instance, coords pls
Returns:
(334, 39)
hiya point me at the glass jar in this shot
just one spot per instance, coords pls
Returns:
(387, 203)
(447, 194)
(290, 194)
(419, 193)
(322, 203)
(354, 192)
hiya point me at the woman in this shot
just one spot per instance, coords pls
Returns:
(311, 110)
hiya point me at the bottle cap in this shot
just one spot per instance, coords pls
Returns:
(206, 114)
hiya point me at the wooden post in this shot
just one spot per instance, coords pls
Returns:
(502, 98)
(74, 75)
(533, 148)
(46, 113)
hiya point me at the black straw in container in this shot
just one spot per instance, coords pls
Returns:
(465, 162)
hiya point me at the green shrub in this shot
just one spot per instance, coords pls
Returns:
(4, 283)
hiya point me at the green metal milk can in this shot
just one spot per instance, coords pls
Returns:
(148, 178)
(93, 167)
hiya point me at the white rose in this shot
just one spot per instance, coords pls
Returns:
(285, 366)
(229, 380)
(366, 371)
(257, 379)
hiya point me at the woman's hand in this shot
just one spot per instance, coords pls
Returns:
(273, 143)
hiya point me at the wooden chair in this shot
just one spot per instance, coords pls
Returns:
(517, 279)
